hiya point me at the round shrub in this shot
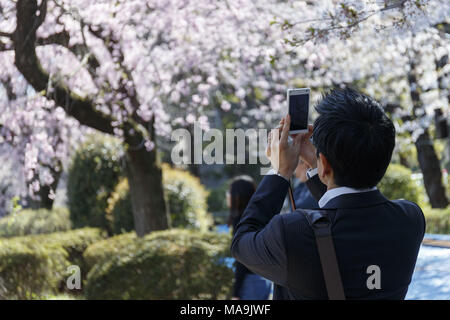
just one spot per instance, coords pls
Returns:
(119, 212)
(27, 221)
(398, 184)
(170, 264)
(185, 196)
(94, 172)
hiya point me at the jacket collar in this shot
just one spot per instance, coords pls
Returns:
(356, 200)
(333, 193)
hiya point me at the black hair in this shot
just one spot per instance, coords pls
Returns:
(355, 136)
(241, 190)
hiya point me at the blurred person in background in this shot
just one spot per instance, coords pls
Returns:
(247, 285)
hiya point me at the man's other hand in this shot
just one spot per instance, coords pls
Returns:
(300, 171)
(307, 150)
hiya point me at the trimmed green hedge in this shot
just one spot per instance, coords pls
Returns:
(398, 184)
(25, 222)
(170, 264)
(75, 242)
(35, 265)
(107, 248)
(28, 271)
(438, 220)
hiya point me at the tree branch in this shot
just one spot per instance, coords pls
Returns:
(5, 34)
(79, 50)
(114, 48)
(27, 62)
(10, 94)
(353, 20)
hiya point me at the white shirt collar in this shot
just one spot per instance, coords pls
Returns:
(333, 193)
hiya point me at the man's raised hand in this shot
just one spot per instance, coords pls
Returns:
(284, 156)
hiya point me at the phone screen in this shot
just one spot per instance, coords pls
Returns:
(298, 110)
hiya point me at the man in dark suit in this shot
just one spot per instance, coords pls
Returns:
(376, 240)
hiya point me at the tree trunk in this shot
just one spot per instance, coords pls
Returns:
(193, 168)
(44, 202)
(431, 170)
(426, 154)
(443, 87)
(146, 190)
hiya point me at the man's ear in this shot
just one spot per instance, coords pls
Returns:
(326, 171)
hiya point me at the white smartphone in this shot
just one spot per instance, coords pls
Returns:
(298, 102)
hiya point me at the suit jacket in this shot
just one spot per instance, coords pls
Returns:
(368, 229)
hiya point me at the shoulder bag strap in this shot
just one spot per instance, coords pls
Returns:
(320, 222)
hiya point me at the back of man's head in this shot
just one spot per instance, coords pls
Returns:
(356, 137)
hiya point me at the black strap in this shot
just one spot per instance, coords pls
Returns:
(320, 222)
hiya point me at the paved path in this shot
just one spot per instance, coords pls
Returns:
(431, 278)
